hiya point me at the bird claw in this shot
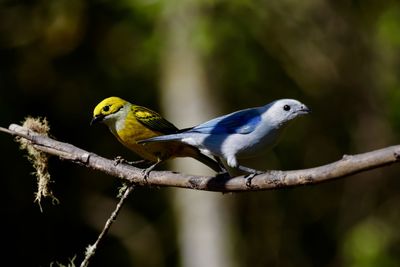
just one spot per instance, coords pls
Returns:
(118, 160)
(250, 177)
(137, 162)
(146, 173)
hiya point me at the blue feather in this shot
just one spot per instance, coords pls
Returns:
(243, 122)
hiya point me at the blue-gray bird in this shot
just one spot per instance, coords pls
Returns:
(241, 134)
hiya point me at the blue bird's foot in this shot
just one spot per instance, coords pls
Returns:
(249, 178)
(251, 174)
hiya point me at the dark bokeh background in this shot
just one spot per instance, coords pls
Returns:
(58, 59)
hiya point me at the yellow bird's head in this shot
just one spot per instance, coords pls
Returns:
(110, 111)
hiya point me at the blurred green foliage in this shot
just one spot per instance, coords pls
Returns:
(59, 58)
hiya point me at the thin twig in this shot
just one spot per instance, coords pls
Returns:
(91, 249)
(348, 165)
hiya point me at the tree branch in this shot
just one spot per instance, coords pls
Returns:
(348, 165)
(91, 249)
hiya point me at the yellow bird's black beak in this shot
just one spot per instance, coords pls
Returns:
(96, 119)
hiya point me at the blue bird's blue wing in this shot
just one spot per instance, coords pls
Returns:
(242, 122)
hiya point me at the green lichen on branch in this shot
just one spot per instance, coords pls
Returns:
(38, 159)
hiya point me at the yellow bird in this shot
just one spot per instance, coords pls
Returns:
(131, 123)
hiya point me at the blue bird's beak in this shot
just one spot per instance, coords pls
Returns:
(304, 110)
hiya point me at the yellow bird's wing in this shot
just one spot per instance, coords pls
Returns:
(152, 120)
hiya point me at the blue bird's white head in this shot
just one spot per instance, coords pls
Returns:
(280, 112)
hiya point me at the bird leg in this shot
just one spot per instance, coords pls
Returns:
(119, 160)
(147, 171)
(251, 173)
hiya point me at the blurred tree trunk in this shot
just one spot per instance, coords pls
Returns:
(202, 217)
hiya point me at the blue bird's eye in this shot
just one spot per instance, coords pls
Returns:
(286, 107)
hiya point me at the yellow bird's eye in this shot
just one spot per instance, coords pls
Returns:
(106, 108)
